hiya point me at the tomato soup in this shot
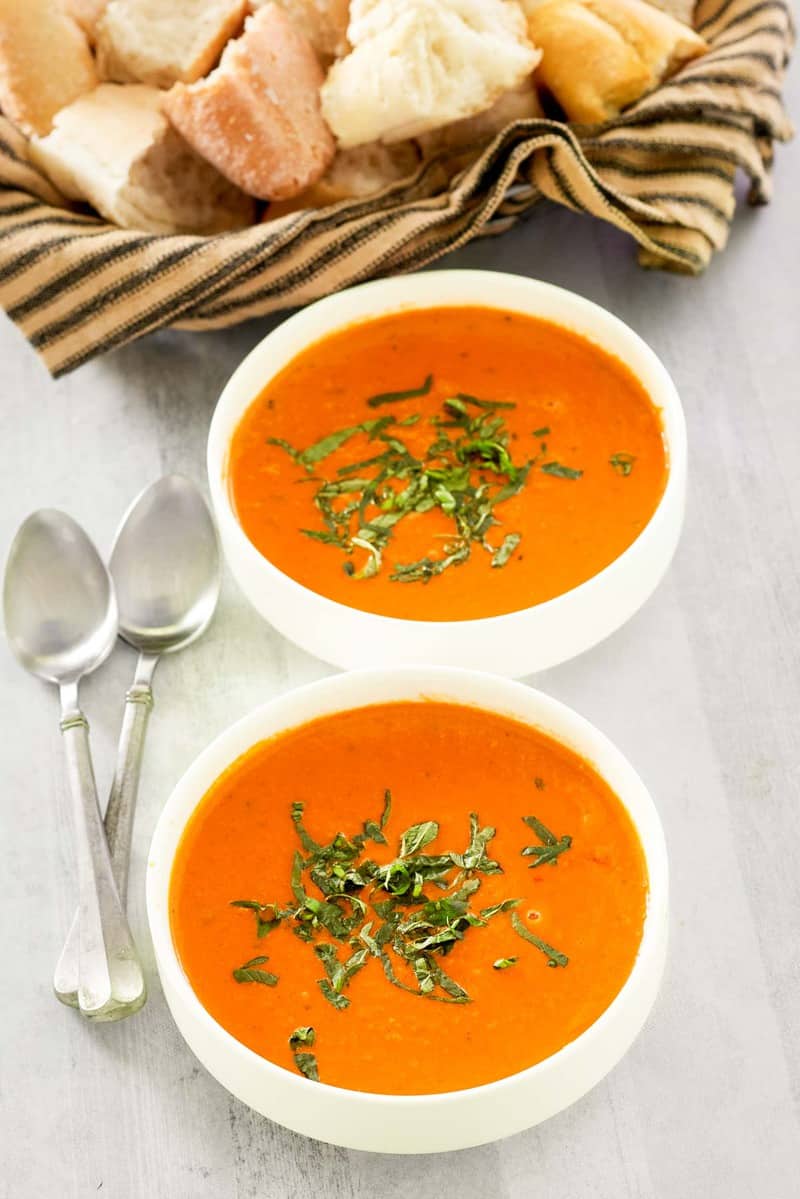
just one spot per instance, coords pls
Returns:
(408, 898)
(448, 463)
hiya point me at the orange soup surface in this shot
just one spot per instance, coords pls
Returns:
(398, 944)
(448, 463)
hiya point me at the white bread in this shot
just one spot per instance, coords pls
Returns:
(519, 104)
(420, 64)
(115, 149)
(599, 56)
(45, 62)
(681, 10)
(324, 22)
(160, 43)
(257, 117)
(87, 13)
(354, 175)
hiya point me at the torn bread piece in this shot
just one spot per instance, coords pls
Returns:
(518, 104)
(87, 13)
(114, 149)
(354, 175)
(420, 64)
(599, 56)
(154, 42)
(681, 10)
(257, 117)
(324, 22)
(45, 62)
(663, 44)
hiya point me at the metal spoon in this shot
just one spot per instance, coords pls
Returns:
(165, 566)
(61, 621)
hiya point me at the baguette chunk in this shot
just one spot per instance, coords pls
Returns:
(599, 56)
(419, 64)
(115, 150)
(324, 22)
(151, 41)
(257, 117)
(45, 62)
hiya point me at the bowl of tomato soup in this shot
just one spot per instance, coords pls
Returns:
(411, 910)
(463, 468)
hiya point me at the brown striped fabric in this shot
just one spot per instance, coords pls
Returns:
(663, 171)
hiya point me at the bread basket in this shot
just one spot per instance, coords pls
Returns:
(663, 172)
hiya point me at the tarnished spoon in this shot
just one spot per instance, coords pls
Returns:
(61, 622)
(166, 570)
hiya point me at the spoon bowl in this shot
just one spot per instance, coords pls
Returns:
(165, 565)
(58, 599)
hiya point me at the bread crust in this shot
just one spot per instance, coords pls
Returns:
(114, 149)
(257, 117)
(599, 56)
(663, 44)
(45, 62)
(324, 22)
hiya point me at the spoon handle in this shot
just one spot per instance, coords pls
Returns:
(118, 817)
(110, 979)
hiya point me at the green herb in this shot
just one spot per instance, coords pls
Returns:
(392, 397)
(307, 1064)
(551, 848)
(407, 913)
(267, 915)
(543, 432)
(249, 974)
(560, 471)
(488, 405)
(510, 543)
(466, 476)
(622, 463)
(554, 957)
(304, 1035)
(417, 837)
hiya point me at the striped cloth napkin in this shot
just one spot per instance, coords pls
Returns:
(663, 171)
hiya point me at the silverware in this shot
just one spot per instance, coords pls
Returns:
(61, 622)
(166, 571)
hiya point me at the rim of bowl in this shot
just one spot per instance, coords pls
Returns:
(666, 401)
(653, 848)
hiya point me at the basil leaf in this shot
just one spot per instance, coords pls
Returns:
(417, 837)
(392, 397)
(307, 1064)
(502, 555)
(249, 974)
(622, 463)
(560, 471)
(554, 956)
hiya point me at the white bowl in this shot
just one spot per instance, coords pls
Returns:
(416, 1123)
(516, 644)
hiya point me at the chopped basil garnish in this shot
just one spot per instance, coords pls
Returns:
(466, 473)
(551, 848)
(560, 471)
(622, 463)
(248, 973)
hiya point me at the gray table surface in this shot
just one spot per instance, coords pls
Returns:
(701, 690)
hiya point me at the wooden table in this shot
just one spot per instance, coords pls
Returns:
(701, 690)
